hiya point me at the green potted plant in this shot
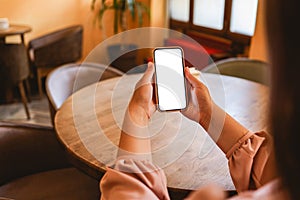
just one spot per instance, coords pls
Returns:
(123, 9)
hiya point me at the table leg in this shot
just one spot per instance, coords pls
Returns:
(24, 99)
(2, 40)
(22, 38)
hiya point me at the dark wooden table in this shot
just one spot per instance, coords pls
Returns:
(6, 94)
(14, 29)
(88, 125)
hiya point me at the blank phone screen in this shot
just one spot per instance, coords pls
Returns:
(170, 79)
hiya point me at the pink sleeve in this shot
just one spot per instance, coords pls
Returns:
(133, 179)
(248, 160)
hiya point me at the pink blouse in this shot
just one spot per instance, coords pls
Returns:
(251, 165)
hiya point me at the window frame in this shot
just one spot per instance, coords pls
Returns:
(224, 33)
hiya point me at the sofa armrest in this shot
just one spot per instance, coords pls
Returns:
(27, 149)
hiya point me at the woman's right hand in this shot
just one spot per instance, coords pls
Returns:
(200, 103)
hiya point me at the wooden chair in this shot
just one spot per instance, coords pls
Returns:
(250, 69)
(54, 49)
(68, 78)
(14, 70)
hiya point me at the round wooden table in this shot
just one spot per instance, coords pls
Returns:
(14, 29)
(88, 125)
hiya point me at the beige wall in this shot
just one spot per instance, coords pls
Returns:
(46, 16)
(41, 15)
(258, 47)
(159, 17)
(92, 34)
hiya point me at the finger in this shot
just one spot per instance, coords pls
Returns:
(192, 79)
(147, 77)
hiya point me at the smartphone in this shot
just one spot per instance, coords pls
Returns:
(170, 82)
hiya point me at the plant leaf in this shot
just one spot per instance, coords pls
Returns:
(141, 8)
(93, 4)
(101, 13)
(116, 17)
(137, 9)
(131, 7)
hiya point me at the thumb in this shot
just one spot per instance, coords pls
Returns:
(149, 73)
(147, 77)
(192, 79)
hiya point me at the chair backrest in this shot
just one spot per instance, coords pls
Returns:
(250, 69)
(69, 78)
(14, 66)
(57, 48)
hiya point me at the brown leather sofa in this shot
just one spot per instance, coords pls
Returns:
(33, 165)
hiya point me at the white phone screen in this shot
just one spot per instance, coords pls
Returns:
(170, 78)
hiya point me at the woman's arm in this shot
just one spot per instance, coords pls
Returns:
(222, 128)
(134, 135)
(250, 154)
(133, 176)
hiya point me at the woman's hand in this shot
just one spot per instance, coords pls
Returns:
(134, 135)
(141, 106)
(200, 103)
(221, 127)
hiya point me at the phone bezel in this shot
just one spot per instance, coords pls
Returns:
(184, 78)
